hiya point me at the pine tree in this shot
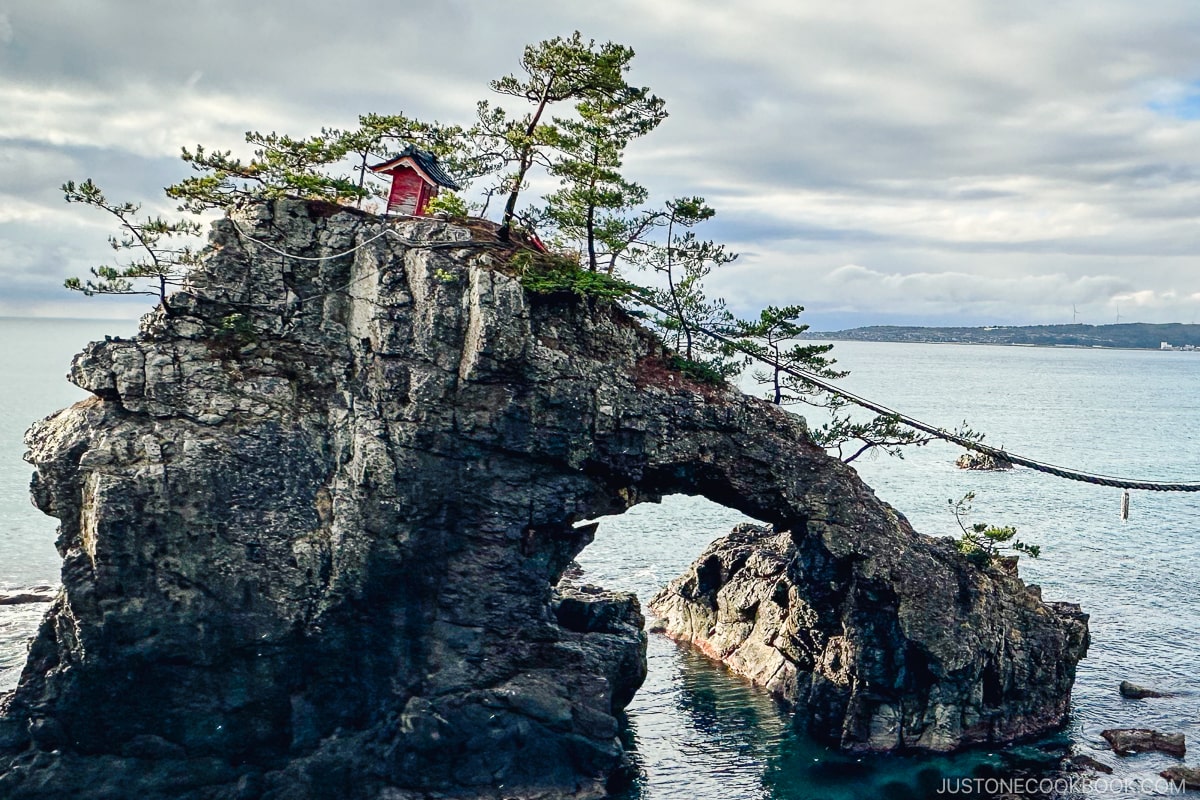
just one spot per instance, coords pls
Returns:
(160, 264)
(555, 71)
(591, 206)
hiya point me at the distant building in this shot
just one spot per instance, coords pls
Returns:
(1165, 346)
(416, 177)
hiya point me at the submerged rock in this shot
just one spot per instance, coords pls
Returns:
(1082, 761)
(313, 516)
(881, 649)
(1189, 777)
(1126, 741)
(24, 598)
(1135, 692)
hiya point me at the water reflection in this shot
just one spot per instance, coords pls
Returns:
(698, 731)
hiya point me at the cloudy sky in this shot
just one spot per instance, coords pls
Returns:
(930, 162)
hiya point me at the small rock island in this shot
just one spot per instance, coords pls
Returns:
(314, 517)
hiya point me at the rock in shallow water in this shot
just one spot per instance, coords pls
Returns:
(1135, 692)
(1082, 761)
(984, 462)
(1127, 741)
(1188, 777)
(22, 598)
(880, 651)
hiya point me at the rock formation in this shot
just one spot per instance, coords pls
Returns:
(885, 646)
(313, 518)
(1133, 691)
(1127, 741)
(982, 462)
(1186, 777)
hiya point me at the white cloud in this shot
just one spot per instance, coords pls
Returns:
(960, 290)
(1005, 157)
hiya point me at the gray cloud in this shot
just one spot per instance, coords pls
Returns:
(987, 158)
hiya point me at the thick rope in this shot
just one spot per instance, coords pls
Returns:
(370, 273)
(924, 427)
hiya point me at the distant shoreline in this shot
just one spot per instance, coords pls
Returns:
(1121, 336)
(817, 337)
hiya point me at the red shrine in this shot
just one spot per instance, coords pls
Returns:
(416, 177)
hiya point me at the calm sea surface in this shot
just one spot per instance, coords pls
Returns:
(702, 733)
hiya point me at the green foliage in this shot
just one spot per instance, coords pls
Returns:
(238, 328)
(281, 166)
(232, 333)
(884, 431)
(376, 136)
(550, 273)
(590, 208)
(445, 276)
(555, 70)
(160, 263)
(714, 370)
(772, 338)
(985, 544)
(448, 203)
(379, 136)
(683, 261)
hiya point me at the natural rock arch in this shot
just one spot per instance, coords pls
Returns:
(312, 518)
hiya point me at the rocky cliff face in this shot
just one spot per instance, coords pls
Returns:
(902, 648)
(312, 519)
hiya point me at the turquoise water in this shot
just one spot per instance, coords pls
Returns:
(699, 732)
(1126, 413)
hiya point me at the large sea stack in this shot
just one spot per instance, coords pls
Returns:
(313, 517)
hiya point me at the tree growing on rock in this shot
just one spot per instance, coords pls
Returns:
(683, 261)
(986, 544)
(378, 137)
(160, 265)
(773, 335)
(594, 200)
(772, 339)
(555, 71)
(281, 166)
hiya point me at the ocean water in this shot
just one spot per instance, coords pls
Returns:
(698, 731)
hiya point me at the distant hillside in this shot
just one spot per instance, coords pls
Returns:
(1133, 334)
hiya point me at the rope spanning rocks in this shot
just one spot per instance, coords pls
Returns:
(311, 534)
(998, 455)
(882, 649)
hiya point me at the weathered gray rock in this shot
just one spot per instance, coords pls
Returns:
(1189, 777)
(1082, 761)
(313, 518)
(591, 609)
(1135, 692)
(982, 461)
(906, 646)
(1126, 741)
